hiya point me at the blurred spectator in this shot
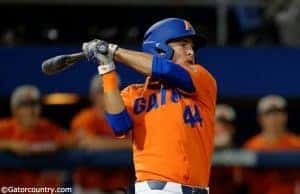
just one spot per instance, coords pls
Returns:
(250, 22)
(273, 117)
(26, 133)
(283, 17)
(278, 23)
(225, 179)
(92, 133)
(224, 127)
(288, 21)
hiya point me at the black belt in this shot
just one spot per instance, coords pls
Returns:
(160, 185)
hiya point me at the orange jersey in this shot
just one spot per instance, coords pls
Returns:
(89, 123)
(44, 132)
(288, 141)
(273, 181)
(173, 132)
(6, 132)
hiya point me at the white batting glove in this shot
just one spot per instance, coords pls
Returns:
(102, 53)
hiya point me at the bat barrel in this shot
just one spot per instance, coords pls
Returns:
(59, 63)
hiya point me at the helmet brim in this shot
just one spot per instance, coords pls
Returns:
(199, 40)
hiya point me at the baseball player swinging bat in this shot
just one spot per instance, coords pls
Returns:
(182, 104)
(60, 63)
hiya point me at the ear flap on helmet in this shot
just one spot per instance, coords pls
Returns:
(165, 50)
(160, 49)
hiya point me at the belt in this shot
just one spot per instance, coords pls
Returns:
(162, 185)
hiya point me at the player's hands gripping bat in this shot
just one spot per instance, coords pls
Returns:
(101, 53)
(97, 50)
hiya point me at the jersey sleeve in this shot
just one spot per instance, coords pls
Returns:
(80, 127)
(205, 85)
(172, 74)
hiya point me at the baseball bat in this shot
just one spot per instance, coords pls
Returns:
(60, 63)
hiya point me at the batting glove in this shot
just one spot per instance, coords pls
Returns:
(102, 53)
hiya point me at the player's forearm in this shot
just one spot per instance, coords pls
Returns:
(116, 112)
(113, 102)
(141, 62)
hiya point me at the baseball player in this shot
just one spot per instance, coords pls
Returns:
(171, 116)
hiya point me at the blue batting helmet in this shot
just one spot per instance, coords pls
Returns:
(158, 36)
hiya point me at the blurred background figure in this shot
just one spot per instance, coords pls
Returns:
(27, 133)
(91, 132)
(277, 24)
(224, 127)
(225, 179)
(274, 136)
(273, 120)
(286, 15)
